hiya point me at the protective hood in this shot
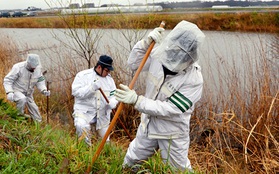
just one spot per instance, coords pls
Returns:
(179, 49)
(33, 60)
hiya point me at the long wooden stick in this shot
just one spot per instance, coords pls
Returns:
(47, 101)
(47, 109)
(122, 124)
(120, 107)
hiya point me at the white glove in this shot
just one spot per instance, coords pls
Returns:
(96, 85)
(10, 96)
(156, 35)
(126, 95)
(46, 92)
(112, 103)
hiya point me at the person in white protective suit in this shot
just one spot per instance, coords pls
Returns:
(20, 82)
(174, 84)
(91, 111)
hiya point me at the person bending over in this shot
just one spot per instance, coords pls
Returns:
(173, 85)
(20, 82)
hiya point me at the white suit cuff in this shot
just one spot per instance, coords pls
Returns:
(139, 100)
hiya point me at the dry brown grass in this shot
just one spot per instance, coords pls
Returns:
(253, 22)
(8, 56)
(239, 123)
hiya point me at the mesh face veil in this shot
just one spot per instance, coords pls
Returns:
(179, 49)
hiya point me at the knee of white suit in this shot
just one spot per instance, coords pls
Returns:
(128, 162)
(81, 126)
(102, 132)
(20, 104)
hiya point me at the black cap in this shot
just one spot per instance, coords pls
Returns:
(106, 62)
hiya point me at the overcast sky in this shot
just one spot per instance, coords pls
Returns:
(23, 4)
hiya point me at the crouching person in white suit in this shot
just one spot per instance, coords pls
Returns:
(91, 111)
(20, 82)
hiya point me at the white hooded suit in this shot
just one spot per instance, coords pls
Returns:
(21, 82)
(169, 99)
(90, 107)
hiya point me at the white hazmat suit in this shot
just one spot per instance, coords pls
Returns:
(174, 84)
(19, 85)
(91, 111)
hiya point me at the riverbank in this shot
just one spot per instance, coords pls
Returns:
(244, 22)
(234, 128)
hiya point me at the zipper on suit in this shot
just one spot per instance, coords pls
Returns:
(29, 84)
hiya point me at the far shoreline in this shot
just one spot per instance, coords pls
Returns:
(213, 21)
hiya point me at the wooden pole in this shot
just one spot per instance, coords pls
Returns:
(47, 100)
(47, 109)
(122, 124)
(120, 107)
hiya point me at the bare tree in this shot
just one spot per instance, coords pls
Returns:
(79, 36)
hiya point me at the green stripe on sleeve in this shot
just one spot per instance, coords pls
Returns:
(111, 93)
(177, 104)
(184, 98)
(42, 78)
(182, 102)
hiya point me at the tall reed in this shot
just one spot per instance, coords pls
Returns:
(8, 56)
(238, 115)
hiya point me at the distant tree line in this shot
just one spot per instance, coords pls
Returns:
(205, 4)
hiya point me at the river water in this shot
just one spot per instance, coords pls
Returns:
(220, 52)
(222, 44)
